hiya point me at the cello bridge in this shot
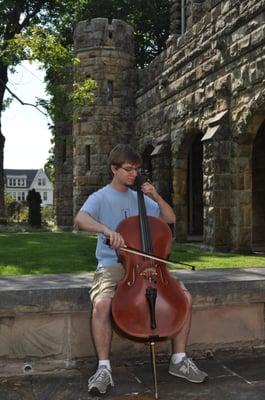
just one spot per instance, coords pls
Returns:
(149, 273)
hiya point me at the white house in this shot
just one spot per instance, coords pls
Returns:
(18, 182)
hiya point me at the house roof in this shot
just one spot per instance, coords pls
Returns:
(30, 173)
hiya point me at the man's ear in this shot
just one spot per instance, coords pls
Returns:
(113, 168)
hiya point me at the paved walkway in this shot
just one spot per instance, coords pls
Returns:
(239, 379)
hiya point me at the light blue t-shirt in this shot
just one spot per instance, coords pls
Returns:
(109, 207)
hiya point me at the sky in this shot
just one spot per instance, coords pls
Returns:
(25, 128)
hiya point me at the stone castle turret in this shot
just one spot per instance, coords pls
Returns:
(106, 51)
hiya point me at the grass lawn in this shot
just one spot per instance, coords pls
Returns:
(47, 252)
(202, 259)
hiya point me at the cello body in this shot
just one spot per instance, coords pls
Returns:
(149, 303)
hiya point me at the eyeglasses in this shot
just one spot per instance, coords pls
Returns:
(131, 169)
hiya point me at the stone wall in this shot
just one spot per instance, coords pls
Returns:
(45, 320)
(210, 82)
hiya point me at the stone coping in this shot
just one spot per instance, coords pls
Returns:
(59, 292)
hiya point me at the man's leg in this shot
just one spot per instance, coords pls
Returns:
(101, 293)
(180, 365)
(101, 327)
(102, 335)
(179, 342)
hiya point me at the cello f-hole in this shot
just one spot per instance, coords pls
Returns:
(131, 283)
(163, 280)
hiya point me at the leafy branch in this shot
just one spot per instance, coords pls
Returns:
(38, 44)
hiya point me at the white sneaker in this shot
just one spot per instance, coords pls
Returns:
(100, 381)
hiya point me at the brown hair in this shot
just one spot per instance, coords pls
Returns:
(122, 153)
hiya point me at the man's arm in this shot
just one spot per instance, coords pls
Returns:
(86, 223)
(166, 212)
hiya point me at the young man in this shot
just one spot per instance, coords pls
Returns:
(101, 213)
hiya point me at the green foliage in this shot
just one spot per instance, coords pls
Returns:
(32, 30)
(8, 198)
(47, 215)
(37, 43)
(83, 92)
(16, 211)
(82, 95)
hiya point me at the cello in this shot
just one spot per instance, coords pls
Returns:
(149, 304)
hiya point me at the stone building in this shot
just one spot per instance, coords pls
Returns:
(196, 113)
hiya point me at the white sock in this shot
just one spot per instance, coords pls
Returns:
(106, 363)
(177, 357)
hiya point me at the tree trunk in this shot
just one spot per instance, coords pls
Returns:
(3, 81)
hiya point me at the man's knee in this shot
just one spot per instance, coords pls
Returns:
(102, 308)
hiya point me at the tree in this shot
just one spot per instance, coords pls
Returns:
(29, 29)
(43, 30)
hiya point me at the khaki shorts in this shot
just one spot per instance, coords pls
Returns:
(105, 282)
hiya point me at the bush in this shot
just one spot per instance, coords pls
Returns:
(47, 215)
(17, 211)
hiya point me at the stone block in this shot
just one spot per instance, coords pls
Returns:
(244, 238)
(34, 335)
(258, 35)
(227, 324)
(225, 6)
(80, 339)
(244, 43)
(221, 240)
(225, 216)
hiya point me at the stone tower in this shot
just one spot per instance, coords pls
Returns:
(105, 48)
